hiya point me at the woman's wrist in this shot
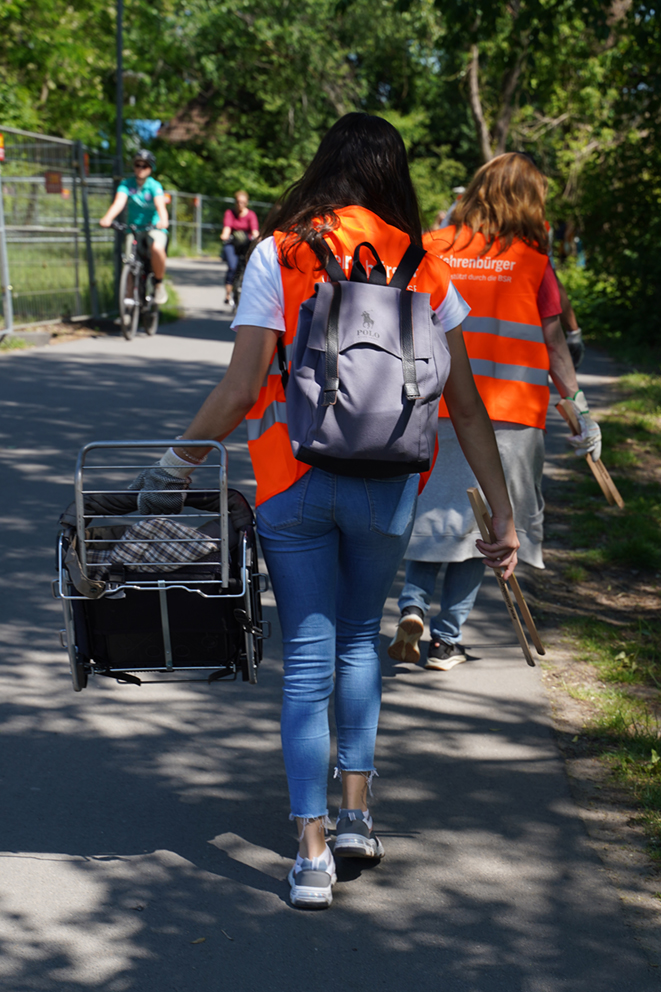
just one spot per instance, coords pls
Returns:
(190, 455)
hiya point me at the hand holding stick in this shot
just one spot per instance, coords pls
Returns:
(486, 530)
(599, 470)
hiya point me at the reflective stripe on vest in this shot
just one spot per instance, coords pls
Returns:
(515, 373)
(504, 328)
(275, 413)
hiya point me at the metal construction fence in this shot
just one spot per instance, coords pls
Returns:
(55, 260)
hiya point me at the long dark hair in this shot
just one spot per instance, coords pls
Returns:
(361, 161)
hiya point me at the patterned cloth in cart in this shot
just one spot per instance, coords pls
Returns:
(157, 544)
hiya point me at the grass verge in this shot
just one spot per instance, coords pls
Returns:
(13, 344)
(624, 728)
(603, 593)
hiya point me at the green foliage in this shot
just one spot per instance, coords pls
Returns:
(250, 86)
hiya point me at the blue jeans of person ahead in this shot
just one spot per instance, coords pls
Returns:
(461, 584)
(232, 259)
(332, 545)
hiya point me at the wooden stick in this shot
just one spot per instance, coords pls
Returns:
(482, 515)
(599, 470)
(477, 502)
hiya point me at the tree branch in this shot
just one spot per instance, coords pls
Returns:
(476, 105)
(510, 82)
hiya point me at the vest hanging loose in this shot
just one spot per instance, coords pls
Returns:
(503, 333)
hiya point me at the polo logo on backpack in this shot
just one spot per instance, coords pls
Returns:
(368, 369)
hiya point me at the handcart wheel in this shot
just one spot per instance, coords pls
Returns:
(251, 664)
(78, 673)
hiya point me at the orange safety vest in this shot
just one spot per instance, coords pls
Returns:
(273, 462)
(503, 332)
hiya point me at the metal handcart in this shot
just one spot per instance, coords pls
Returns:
(175, 596)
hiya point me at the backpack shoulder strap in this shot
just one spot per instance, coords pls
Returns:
(408, 263)
(282, 362)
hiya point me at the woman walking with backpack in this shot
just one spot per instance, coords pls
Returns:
(497, 252)
(333, 541)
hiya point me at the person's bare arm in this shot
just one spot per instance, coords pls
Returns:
(114, 210)
(478, 443)
(236, 393)
(563, 373)
(226, 233)
(161, 209)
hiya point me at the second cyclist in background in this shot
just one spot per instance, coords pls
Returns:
(146, 209)
(240, 227)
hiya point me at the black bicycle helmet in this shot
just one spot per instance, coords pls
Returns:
(145, 156)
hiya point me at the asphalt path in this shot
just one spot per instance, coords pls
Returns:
(144, 836)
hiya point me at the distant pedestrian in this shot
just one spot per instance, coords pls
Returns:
(497, 250)
(240, 227)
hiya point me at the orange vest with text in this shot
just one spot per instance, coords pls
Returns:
(273, 462)
(503, 332)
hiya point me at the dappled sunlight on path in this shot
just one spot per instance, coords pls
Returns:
(144, 834)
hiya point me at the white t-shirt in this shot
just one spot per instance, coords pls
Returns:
(262, 302)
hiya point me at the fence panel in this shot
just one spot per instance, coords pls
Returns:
(44, 239)
(44, 243)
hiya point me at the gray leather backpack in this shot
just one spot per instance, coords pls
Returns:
(368, 368)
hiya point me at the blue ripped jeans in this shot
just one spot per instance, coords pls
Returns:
(332, 545)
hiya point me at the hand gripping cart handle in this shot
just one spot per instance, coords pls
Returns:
(175, 595)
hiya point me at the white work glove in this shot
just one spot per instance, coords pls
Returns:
(589, 440)
(170, 477)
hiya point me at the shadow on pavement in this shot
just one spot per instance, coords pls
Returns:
(208, 328)
(118, 802)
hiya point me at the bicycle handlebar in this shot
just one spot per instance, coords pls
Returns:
(118, 226)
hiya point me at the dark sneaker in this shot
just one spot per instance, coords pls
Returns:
(354, 837)
(443, 656)
(312, 881)
(404, 645)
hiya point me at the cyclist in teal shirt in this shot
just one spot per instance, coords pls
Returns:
(146, 208)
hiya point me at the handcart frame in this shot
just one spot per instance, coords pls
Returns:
(228, 585)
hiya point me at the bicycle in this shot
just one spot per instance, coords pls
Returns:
(136, 284)
(238, 278)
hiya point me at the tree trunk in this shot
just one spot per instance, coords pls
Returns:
(510, 83)
(476, 105)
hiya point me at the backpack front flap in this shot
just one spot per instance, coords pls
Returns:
(367, 373)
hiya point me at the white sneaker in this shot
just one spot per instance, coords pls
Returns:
(160, 294)
(354, 837)
(312, 881)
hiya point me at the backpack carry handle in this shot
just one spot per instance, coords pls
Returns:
(377, 276)
(404, 272)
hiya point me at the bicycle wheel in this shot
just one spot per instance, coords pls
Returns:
(150, 319)
(149, 313)
(129, 311)
(238, 282)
